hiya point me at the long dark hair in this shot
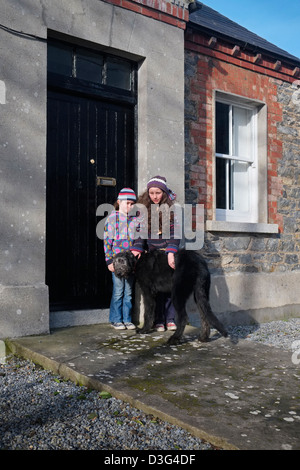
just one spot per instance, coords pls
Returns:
(147, 202)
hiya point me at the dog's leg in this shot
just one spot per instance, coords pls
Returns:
(205, 326)
(149, 312)
(207, 316)
(181, 320)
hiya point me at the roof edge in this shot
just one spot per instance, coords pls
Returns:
(286, 57)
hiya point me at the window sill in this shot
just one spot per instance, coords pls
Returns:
(222, 226)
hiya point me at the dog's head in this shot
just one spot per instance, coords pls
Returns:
(124, 264)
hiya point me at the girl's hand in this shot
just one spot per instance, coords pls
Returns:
(136, 253)
(171, 260)
(111, 267)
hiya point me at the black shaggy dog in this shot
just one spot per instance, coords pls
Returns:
(154, 275)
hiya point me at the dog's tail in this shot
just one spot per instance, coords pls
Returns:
(207, 314)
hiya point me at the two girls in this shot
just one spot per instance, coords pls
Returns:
(156, 195)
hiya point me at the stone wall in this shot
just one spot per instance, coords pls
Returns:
(255, 274)
(245, 252)
(289, 173)
(272, 253)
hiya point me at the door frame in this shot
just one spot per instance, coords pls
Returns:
(84, 89)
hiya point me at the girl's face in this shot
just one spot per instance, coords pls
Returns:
(125, 206)
(155, 195)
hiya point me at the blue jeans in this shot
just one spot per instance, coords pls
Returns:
(121, 300)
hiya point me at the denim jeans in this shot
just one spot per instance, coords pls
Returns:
(121, 300)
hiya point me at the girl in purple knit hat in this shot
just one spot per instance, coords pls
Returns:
(159, 194)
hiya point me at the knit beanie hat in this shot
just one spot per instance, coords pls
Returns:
(161, 183)
(158, 182)
(127, 194)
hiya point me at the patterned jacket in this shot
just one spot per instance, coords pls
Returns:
(120, 231)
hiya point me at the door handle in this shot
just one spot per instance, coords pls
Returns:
(105, 181)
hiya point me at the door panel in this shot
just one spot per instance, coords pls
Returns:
(86, 138)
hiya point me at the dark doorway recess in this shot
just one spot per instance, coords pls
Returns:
(90, 134)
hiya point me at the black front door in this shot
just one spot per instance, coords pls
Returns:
(89, 136)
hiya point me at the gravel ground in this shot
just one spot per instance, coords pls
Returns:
(282, 334)
(41, 411)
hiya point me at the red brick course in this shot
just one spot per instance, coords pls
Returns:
(161, 10)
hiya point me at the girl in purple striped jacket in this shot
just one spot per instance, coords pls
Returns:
(159, 194)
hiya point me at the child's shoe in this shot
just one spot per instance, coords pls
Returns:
(171, 326)
(129, 326)
(159, 327)
(118, 326)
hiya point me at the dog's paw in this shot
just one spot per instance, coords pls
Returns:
(204, 338)
(142, 331)
(173, 340)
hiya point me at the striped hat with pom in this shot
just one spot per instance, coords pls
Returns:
(127, 194)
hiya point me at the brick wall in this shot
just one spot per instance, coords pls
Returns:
(221, 69)
(172, 12)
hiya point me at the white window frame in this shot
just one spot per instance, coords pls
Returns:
(256, 221)
(232, 215)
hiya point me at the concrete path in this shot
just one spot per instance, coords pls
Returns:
(235, 395)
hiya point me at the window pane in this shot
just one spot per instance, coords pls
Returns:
(232, 185)
(60, 60)
(240, 184)
(242, 133)
(222, 128)
(89, 67)
(221, 183)
(118, 74)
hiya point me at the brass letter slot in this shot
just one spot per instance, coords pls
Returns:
(106, 181)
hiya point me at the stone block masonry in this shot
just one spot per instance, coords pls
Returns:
(255, 275)
(245, 252)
